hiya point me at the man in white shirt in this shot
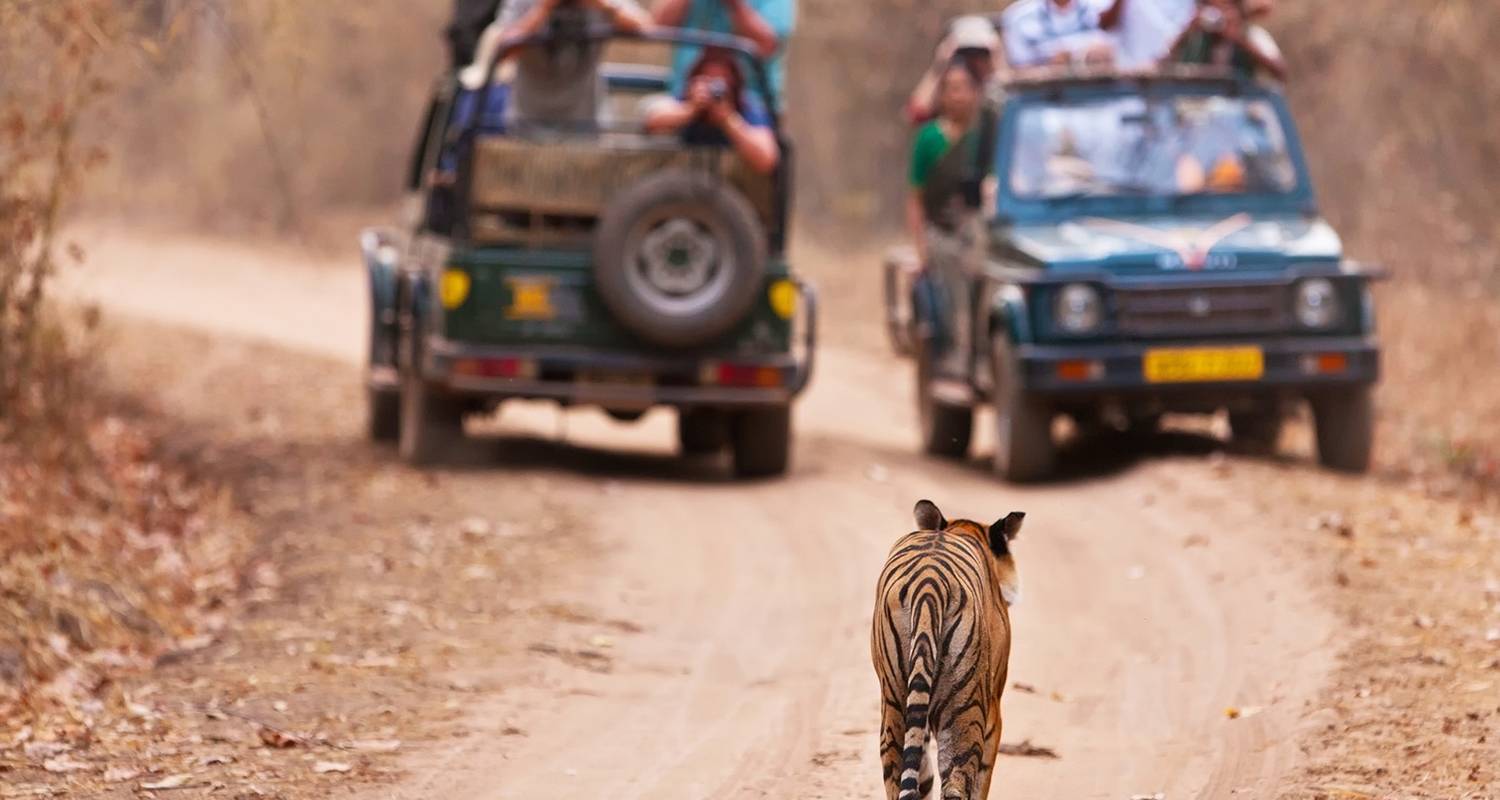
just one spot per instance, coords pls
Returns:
(1144, 30)
(1042, 32)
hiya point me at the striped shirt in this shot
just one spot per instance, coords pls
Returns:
(1037, 30)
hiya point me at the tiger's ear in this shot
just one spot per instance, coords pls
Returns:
(929, 518)
(1003, 531)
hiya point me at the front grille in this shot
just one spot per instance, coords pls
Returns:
(1203, 310)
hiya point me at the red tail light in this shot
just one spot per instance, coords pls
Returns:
(745, 375)
(495, 367)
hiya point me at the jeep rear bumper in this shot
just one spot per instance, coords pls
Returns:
(617, 380)
(1289, 365)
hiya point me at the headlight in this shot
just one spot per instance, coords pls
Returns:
(1317, 304)
(1079, 309)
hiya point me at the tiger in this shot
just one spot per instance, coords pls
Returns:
(941, 647)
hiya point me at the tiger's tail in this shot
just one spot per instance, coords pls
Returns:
(926, 622)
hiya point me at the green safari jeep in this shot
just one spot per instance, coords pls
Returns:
(602, 267)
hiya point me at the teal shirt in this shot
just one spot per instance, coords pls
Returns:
(927, 150)
(711, 15)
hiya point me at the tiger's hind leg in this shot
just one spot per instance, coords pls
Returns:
(892, 737)
(961, 769)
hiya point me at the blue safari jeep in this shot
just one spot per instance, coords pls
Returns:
(1148, 244)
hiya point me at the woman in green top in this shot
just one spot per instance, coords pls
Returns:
(958, 107)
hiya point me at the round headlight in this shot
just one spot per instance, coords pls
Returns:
(1079, 308)
(1317, 303)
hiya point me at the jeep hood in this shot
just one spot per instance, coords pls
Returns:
(1242, 242)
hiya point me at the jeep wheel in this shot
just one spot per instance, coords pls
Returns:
(946, 429)
(679, 258)
(1345, 426)
(1024, 450)
(431, 423)
(762, 440)
(384, 412)
(1259, 431)
(702, 431)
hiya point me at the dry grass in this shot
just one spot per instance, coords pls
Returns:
(269, 116)
(1396, 103)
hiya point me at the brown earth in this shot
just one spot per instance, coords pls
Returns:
(576, 612)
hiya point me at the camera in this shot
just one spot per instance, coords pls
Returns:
(1211, 19)
(718, 89)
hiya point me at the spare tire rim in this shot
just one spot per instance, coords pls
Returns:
(675, 262)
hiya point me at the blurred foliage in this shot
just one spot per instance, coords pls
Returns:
(1396, 104)
(259, 115)
(50, 54)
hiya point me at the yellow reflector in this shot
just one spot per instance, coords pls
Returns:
(783, 296)
(453, 288)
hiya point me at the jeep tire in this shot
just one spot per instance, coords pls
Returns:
(946, 429)
(762, 440)
(679, 258)
(702, 431)
(1258, 430)
(1344, 421)
(384, 414)
(1024, 450)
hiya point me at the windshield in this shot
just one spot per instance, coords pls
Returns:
(1181, 145)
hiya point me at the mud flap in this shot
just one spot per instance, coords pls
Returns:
(929, 304)
(381, 249)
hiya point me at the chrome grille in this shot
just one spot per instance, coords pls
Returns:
(1202, 310)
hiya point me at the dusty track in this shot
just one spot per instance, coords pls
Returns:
(1156, 592)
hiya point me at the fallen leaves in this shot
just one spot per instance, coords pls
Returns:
(375, 745)
(63, 764)
(178, 781)
(1027, 750)
(277, 739)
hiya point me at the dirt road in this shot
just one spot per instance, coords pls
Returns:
(1156, 592)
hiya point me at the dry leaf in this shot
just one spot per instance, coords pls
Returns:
(63, 764)
(1027, 750)
(1243, 712)
(169, 782)
(121, 774)
(376, 745)
(280, 740)
(324, 767)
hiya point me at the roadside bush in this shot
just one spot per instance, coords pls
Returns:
(50, 51)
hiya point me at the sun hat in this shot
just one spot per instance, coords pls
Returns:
(973, 32)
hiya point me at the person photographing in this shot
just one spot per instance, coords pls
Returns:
(716, 111)
(1224, 33)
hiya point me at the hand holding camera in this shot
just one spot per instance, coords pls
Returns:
(709, 96)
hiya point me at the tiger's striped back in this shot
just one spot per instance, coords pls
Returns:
(941, 644)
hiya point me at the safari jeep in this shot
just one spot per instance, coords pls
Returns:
(602, 267)
(1151, 245)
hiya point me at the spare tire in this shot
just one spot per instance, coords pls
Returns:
(679, 258)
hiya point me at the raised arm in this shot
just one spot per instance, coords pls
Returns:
(1109, 18)
(671, 13)
(625, 15)
(747, 22)
(524, 21)
(1263, 49)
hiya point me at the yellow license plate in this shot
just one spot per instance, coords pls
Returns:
(1190, 365)
(530, 299)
